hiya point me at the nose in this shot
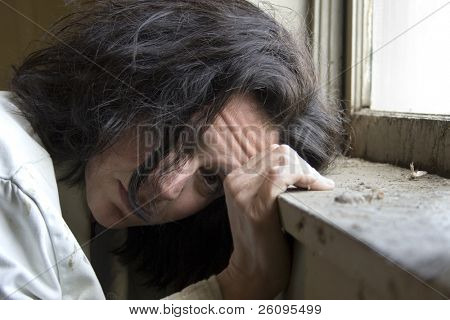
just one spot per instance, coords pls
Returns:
(173, 183)
(172, 186)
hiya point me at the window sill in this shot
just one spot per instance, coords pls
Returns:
(400, 139)
(392, 242)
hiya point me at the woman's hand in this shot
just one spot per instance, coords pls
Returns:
(259, 266)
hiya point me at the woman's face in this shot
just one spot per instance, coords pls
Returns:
(238, 133)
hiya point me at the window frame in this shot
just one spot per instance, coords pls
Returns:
(391, 137)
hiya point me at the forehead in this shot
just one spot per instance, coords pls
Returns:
(243, 111)
(239, 131)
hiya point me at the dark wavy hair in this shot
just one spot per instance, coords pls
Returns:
(115, 65)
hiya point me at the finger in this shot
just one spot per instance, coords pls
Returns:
(282, 177)
(248, 179)
(225, 135)
(321, 183)
(253, 162)
(276, 156)
(275, 181)
(287, 161)
(312, 179)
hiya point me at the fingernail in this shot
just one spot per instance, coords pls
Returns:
(274, 146)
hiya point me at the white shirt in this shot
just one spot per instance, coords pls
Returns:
(39, 256)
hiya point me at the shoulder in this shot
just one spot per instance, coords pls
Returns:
(27, 254)
(19, 144)
(26, 169)
(40, 257)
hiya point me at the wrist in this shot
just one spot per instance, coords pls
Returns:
(237, 286)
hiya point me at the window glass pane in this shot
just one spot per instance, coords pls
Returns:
(412, 73)
(285, 11)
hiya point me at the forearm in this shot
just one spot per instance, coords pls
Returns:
(203, 290)
(235, 286)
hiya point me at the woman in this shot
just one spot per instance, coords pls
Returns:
(163, 111)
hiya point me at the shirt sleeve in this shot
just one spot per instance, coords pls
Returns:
(28, 268)
(204, 290)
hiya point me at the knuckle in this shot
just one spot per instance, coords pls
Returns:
(228, 183)
(284, 148)
(274, 170)
(283, 159)
(238, 199)
(227, 180)
(309, 178)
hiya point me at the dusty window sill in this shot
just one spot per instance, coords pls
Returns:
(400, 138)
(393, 242)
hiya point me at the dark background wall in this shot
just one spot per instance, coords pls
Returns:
(18, 35)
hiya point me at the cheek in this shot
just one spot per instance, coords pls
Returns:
(102, 209)
(188, 203)
(102, 195)
(93, 187)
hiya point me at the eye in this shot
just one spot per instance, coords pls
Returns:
(211, 181)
